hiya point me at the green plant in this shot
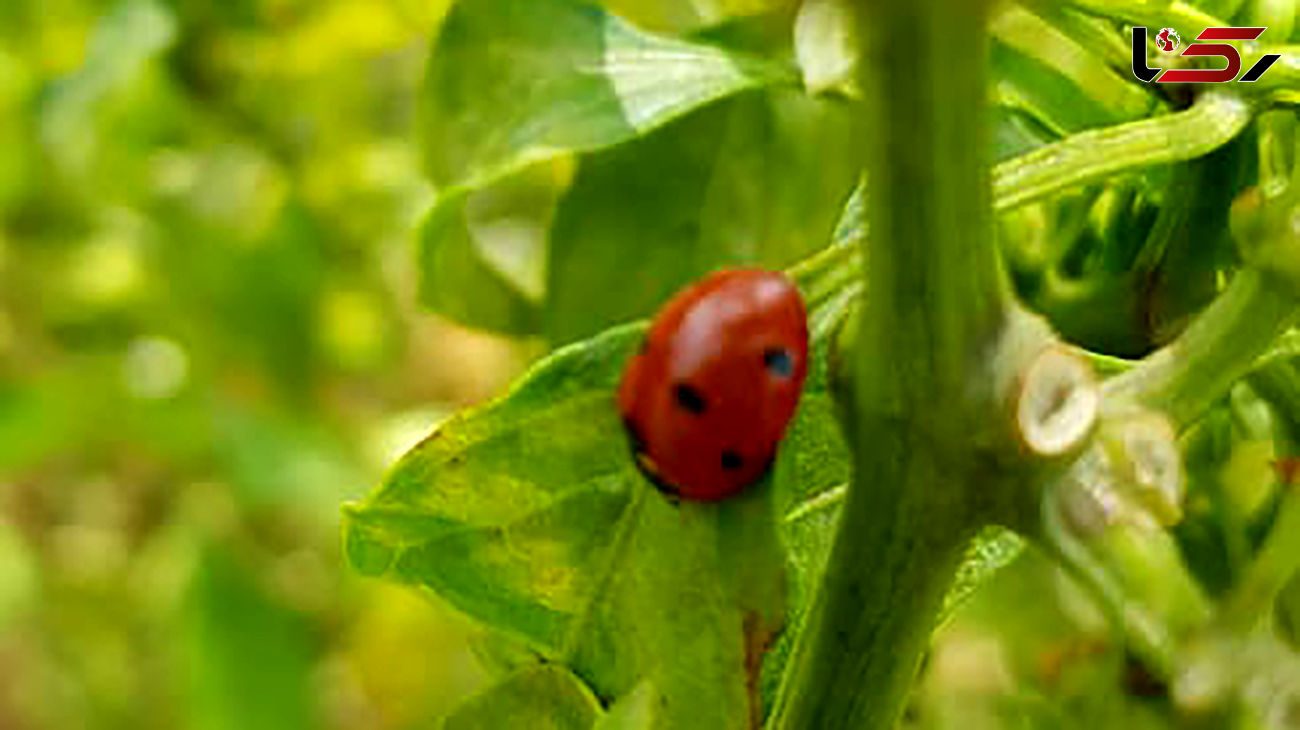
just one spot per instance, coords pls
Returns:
(1017, 184)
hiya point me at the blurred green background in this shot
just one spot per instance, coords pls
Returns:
(208, 341)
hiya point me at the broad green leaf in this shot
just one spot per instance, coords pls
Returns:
(756, 189)
(636, 711)
(458, 282)
(669, 608)
(757, 180)
(671, 17)
(483, 252)
(524, 491)
(512, 82)
(545, 697)
(530, 516)
(686, 16)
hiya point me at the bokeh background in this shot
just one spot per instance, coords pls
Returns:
(209, 340)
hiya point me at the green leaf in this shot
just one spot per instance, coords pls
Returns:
(506, 511)
(687, 16)
(545, 697)
(457, 280)
(530, 515)
(636, 711)
(484, 251)
(757, 180)
(511, 82)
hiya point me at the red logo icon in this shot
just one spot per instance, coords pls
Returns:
(1167, 39)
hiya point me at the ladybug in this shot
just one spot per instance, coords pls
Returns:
(707, 398)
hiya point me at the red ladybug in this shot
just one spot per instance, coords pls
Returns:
(708, 397)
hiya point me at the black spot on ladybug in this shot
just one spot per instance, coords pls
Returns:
(778, 362)
(689, 398)
(731, 460)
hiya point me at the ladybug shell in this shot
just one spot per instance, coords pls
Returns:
(708, 397)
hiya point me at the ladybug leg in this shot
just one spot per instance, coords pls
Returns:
(645, 464)
(651, 473)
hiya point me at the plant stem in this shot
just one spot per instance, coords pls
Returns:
(885, 582)
(1088, 157)
(1185, 378)
(1276, 562)
(1148, 637)
(936, 302)
(1215, 118)
(1151, 13)
(936, 289)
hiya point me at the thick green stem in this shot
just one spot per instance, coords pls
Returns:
(935, 286)
(936, 304)
(885, 583)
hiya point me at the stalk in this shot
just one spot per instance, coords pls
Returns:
(936, 304)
